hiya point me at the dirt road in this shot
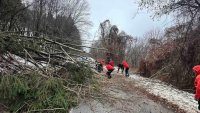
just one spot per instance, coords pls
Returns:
(122, 97)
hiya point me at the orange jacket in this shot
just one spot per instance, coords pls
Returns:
(125, 64)
(197, 82)
(109, 67)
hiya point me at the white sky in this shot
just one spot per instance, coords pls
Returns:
(123, 13)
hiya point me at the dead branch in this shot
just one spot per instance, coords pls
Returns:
(60, 44)
(40, 110)
(35, 63)
(67, 54)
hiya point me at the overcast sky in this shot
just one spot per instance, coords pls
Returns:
(124, 14)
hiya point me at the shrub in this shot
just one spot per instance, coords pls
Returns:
(79, 72)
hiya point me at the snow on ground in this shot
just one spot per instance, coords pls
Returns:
(23, 61)
(182, 99)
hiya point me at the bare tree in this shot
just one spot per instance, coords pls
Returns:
(185, 10)
(114, 41)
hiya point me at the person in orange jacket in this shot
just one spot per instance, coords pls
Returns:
(110, 69)
(197, 84)
(126, 67)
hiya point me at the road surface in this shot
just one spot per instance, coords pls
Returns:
(122, 97)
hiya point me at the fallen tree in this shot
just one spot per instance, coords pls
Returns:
(39, 74)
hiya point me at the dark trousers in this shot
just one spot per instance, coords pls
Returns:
(120, 66)
(99, 68)
(109, 73)
(199, 104)
(126, 72)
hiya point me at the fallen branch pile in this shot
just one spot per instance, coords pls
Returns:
(41, 74)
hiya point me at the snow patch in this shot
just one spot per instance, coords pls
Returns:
(182, 99)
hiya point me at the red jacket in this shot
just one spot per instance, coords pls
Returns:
(125, 64)
(109, 67)
(112, 63)
(197, 82)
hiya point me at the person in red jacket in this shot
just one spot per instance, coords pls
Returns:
(110, 69)
(197, 84)
(112, 63)
(126, 67)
